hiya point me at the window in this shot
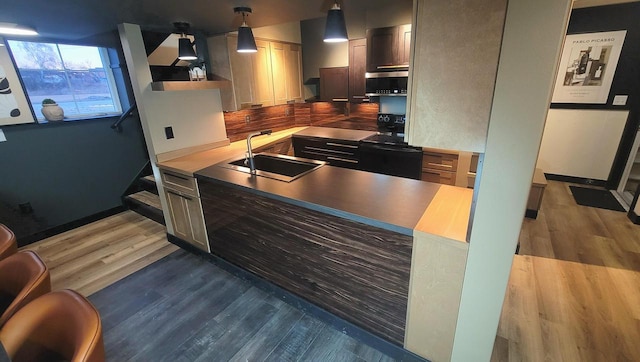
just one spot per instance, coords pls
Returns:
(78, 78)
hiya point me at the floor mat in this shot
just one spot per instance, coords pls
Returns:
(602, 199)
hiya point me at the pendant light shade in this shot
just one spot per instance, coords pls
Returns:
(185, 50)
(185, 47)
(336, 29)
(246, 41)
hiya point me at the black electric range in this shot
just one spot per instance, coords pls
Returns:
(386, 152)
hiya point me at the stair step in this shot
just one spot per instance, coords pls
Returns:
(146, 204)
(148, 183)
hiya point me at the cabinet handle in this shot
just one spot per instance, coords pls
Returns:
(392, 66)
(341, 159)
(327, 151)
(340, 145)
(340, 100)
(177, 194)
(439, 165)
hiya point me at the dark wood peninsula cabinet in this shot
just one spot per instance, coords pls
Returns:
(357, 70)
(388, 48)
(334, 84)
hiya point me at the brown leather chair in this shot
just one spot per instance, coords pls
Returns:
(23, 278)
(8, 243)
(58, 326)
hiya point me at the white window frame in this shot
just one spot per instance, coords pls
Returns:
(113, 88)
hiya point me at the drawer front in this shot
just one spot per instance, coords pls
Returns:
(440, 177)
(335, 152)
(440, 161)
(180, 183)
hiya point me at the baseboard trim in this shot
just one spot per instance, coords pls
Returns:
(635, 218)
(575, 180)
(366, 337)
(30, 239)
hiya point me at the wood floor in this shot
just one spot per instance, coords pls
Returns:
(574, 290)
(96, 255)
(184, 308)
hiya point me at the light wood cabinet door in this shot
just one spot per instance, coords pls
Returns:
(179, 215)
(242, 74)
(187, 219)
(262, 75)
(293, 72)
(252, 75)
(196, 218)
(279, 71)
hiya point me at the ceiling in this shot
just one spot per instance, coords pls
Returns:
(77, 19)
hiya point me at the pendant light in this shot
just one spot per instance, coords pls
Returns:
(335, 30)
(15, 29)
(185, 46)
(246, 42)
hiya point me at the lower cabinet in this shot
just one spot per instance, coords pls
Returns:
(439, 167)
(185, 209)
(339, 153)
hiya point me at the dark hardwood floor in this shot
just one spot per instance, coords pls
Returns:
(184, 308)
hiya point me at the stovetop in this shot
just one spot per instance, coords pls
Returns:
(387, 139)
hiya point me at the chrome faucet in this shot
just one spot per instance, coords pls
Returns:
(249, 159)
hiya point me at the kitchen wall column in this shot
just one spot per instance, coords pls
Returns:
(195, 116)
(532, 40)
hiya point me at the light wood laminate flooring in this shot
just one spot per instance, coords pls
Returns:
(574, 290)
(99, 254)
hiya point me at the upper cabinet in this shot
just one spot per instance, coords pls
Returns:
(286, 65)
(388, 48)
(271, 76)
(453, 73)
(357, 70)
(334, 84)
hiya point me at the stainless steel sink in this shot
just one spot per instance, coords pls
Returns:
(274, 166)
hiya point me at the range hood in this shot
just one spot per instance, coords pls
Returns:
(170, 73)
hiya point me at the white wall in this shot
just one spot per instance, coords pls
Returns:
(195, 115)
(517, 119)
(581, 143)
(288, 32)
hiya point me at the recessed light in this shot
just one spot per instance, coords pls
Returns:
(15, 29)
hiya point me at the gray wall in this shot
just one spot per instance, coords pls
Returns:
(317, 54)
(70, 170)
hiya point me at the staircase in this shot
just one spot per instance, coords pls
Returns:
(142, 197)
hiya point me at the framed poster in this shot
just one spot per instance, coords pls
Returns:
(14, 108)
(587, 66)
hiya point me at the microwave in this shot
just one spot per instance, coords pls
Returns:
(386, 83)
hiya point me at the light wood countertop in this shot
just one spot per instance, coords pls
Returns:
(448, 213)
(189, 164)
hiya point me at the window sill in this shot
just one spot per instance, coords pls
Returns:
(78, 119)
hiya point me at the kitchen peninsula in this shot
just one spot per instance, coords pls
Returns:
(353, 242)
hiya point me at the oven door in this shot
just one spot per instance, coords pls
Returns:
(402, 161)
